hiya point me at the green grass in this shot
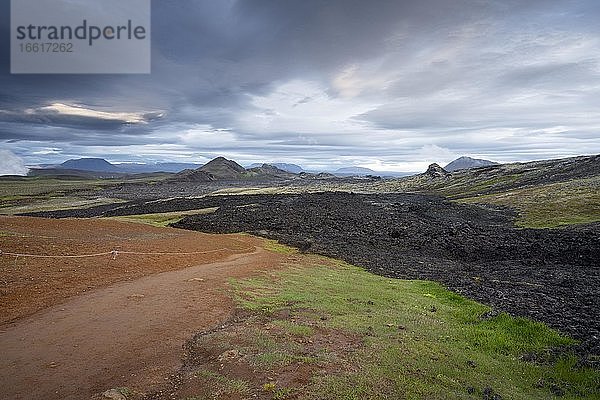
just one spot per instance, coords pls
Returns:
(294, 328)
(40, 193)
(420, 340)
(163, 219)
(268, 352)
(466, 187)
(276, 247)
(552, 205)
(223, 385)
(35, 185)
(32, 194)
(46, 202)
(32, 186)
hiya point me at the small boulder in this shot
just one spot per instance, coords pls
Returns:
(435, 171)
(229, 355)
(113, 394)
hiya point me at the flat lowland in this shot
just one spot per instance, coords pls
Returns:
(73, 326)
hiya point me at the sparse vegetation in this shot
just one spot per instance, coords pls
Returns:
(294, 328)
(50, 203)
(163, 219)
(32, 186)
(44, 193)
(325, 329)
(275, 246)
(418, 339)
(550, 206)
(31, 194)
(221, 385)
(125, 391)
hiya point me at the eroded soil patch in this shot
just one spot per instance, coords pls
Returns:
(29, 284)
(81, 326)
(259, 356)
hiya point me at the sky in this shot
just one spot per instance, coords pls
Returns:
(388, 85)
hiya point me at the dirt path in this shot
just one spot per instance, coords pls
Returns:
(124, 334)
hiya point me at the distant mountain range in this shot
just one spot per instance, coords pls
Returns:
(354, 171)
(156, 167)
(293, 168)
(89, 164)
(101, 165)
(223, 169)
(342, 172)
(105, 168)
(465, 162)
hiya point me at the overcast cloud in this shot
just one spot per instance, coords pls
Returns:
(390, 85)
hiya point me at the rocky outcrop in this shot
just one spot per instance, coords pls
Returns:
(435, 171)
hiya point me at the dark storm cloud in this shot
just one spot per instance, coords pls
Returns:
(341, 77)
(67, 136)
(210, 52)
